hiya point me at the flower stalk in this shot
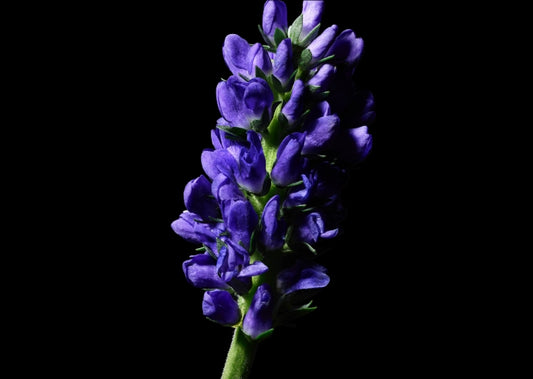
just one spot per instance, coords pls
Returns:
(240, 358)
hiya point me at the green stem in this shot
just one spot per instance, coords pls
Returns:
(240, 357)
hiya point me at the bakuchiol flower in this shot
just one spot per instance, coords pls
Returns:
(198, 199)
(240, 220)
(321, 44)
(221, 307)
(302, 276)
(293, 109)
(289, 161)
(272, 226)
(259, 318)
(322, 77)
(312, 15)
(242, 161)
(312, 228)
(192, 228)
(354, 144)
(283, 66)
(241, 103)
(346, 48)
(274, 17)
(200, 271)
(243, 58)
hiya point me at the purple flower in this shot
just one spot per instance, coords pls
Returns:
(311, 228)
(242, 59)
(354, 144)
(242, 103)
(302, 276)
(251, 172)
(319, 134)
(312, 14)
(259, 318)
(198, 199)
(225, 188)
(322, 77)
(274, 17)
(289, 161)
(321, 44)
(243, 162)
(283, 66)
(294, 107)
(232, 257)
(221, 307)
(200, 271)
(192, 228)
(240, 220)
(273, 227)
(346, 48)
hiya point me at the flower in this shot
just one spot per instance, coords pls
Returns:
(274, 20)
(241, 103)
(292, 125)
(258, 320)
(221, 307)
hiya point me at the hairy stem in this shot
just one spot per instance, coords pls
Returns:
(240, 356)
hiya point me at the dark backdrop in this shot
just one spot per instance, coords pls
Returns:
(148, 76)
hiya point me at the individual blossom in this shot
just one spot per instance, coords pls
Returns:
(274, 21)
(289, 161)
(221, 307)
(273, 226)
(243, 59)
(259, 318)
(241, 103)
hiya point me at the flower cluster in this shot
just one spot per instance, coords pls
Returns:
(292, 125)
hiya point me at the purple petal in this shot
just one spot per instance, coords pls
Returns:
(319, 134)
(235, 52)
(256, 268)
(258, 57)
(283, 65)
(303, 275)
(312, 14)
(189, 227)
(232, 257)
(274, 17)
(230, 94)
(257, 97)
(288, 165)
(224, 189)
(258, 319)
(346, 48)
(320, 44)
(221, 307)
(200, 271)
(273, 228)
(197, 198)
(252, 165)
(294, 107)
(322, 77)
(240, 219)
(354, 144)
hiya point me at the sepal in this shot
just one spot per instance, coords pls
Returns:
(233, 132)
(310, 37)
(296, 28)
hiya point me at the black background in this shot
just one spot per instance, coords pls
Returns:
(140, 84)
